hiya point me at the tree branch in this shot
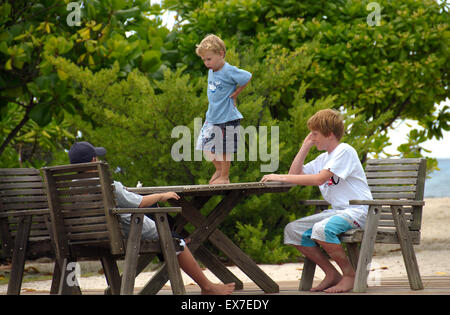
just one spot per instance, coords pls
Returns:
(16, 130)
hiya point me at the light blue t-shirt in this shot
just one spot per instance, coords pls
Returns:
(221, 84)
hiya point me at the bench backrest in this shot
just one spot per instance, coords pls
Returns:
(22, 191)
(397, 179)
(80, 199)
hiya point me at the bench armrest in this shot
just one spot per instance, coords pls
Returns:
(388, 202)
(145, 210)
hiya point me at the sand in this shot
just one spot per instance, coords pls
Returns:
(433, 256)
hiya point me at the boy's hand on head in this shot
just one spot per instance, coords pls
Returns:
(308, 141)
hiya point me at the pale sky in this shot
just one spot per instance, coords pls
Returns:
(439, 148)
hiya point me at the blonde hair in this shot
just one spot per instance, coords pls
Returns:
(327, 121)
(211, 43)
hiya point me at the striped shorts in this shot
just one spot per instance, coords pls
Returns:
(325, 226)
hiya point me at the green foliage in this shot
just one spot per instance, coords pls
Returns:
(254, 242)
(400, 66)
(33, 32)
(34, 146)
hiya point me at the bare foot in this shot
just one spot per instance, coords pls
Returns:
(345, 285)
(221, 180)
(215, 176)
(219, 289)
(329, 281)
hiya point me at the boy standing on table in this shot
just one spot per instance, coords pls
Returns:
(219, 135)
(341, 178)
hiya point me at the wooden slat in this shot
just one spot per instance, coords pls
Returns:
(23, 206)
(395, 181)
(39, 233)
(81, 190)
(403, 188)
(386, 209)
(85, 220)
(396, 167)
(82, 167)
(15, 179)
(22, 192)
(76, 176)
(391, 174)
(394, 161)
(76, 199)
(86, 228)
(18, 171)
(6, 200)
(24, 212)
(388, 202)
(88, 236)
(82, 205)
(388, 217)
(386, 236)
(84, 212)
(401, 195)
(22, 185)
(78, 183)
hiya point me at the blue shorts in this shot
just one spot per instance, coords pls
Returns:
(325, 226)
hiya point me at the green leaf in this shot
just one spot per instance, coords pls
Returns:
(62, 75)
(8, 64)
(151, 61)
(41, 114)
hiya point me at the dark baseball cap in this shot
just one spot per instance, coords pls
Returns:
(84, 152)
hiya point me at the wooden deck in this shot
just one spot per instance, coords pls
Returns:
(434, 285)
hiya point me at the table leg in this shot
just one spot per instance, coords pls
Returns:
(202, 232)
(223, 243)
(245, 263)
(207, 225)
(202, 254)
(206, 228)
(216, 267)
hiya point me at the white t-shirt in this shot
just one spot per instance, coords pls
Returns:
(348, 182)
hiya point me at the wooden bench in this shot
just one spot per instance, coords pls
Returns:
(24, 221)
(394, 217)
(85, 222)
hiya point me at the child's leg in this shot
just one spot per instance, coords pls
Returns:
(299, 233)
(217, 164)
(225, 163)
(193, 270)
(326, 233)
(337, 253)
(229, 143)
(332, 276)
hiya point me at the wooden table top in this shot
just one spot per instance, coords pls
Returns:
(252, 187)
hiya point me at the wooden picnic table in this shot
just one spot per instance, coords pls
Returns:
(193, 198)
